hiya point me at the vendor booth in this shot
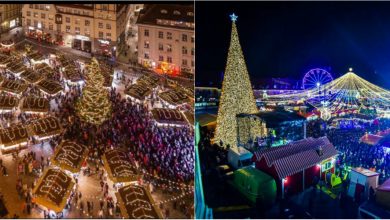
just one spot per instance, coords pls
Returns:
(13, 138)
(164, 117)
(135, 202)
(69, 156)
(35, 105)
(138, 91)
(383, 195)
(360, 182)
(119, 166)
(45, 127)
(50, 87)
(7, 103)
(15, 87)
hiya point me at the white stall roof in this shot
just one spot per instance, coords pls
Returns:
(365, 172)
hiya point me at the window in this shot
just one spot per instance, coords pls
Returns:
(29, 13)
(169, 59)
(87, 32)
(41, 7)
(51, 17)
(169, 35)
(190, 13)
(77, 30)
(43, 15)
(192, 51)
(146, 44)
(160, 46)
(160, 58)
(43, 25)
(192, 39)
(101, 35)
(28, 22)
(35, 23)
(169, 48)
(31, 6)
(161, 35)
(77, 21)
(184, 62)
(47, 7)
(192, 63)
(163, 11)
(105, 8)
(50, 26)
(184, 50)
(146, 33)
(108, 36)
(184, 37)
(36, 6)
(100, 25)
(67, 29)
(87, 22)
(146, 56)
(176, 12)
(35, 14)
(67, 19)
(108, 26)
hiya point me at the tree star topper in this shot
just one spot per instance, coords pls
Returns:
(233, 17)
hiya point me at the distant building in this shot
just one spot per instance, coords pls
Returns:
(96, 28)
(10, 16)
(166, 38)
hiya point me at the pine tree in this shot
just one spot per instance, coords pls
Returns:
(94, 106)
(236, 95)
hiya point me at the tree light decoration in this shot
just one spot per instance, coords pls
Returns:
(94, 106)
(236, 95)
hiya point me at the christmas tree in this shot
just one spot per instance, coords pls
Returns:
(237, 94)
(94, 106)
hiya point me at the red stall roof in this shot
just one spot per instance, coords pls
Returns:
(296, 156)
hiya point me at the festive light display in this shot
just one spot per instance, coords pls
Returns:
(94, 106)
(348, 92)
(237, 94)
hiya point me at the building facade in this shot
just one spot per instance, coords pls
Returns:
(166, 38)
(93, 28)
(10, 16)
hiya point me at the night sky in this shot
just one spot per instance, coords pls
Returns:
(286, 39)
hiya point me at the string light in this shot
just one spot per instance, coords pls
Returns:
(237, 94)
(94, 106)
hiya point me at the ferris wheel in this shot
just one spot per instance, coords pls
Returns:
(315, 78)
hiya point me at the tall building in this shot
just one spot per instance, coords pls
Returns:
(10, 16)
(166, 37)
(96, 28)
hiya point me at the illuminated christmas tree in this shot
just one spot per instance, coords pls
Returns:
(94, 106)
(237, 94)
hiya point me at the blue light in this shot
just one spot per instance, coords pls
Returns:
(233, 17)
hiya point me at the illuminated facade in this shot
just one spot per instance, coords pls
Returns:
(95, 28)
(10, 16)
(166, 38)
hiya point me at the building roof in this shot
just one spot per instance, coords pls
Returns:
(385, 186)
(296, 156)
(183, 13)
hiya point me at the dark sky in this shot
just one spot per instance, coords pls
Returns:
(286, 39)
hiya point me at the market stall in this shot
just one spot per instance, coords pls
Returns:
(135, 202)
(119, 166)
(173, 98)
(138, 91)
(35, 105)
(7, 103)
(13, 137)
(16, 67)
(164, 116)
(360, 182)
(31, 76)
(50, 87)
(53, 189)
(15, 87)
(70, 156)
(149, 80)
(44, 128)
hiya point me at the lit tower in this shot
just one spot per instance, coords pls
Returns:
(237, 94)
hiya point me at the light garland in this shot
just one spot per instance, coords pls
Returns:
(237, 94)
(94, 107)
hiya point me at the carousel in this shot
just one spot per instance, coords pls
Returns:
(135, 202)
(53, 190)
(70, 156)
(119, 166)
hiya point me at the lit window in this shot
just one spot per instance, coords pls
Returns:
(176, 12)
(100, 25)
(108, 26)
(160, 46)
(169, 35)
(163, 11)
(146, 44)
(184, 37)
(160, 34)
